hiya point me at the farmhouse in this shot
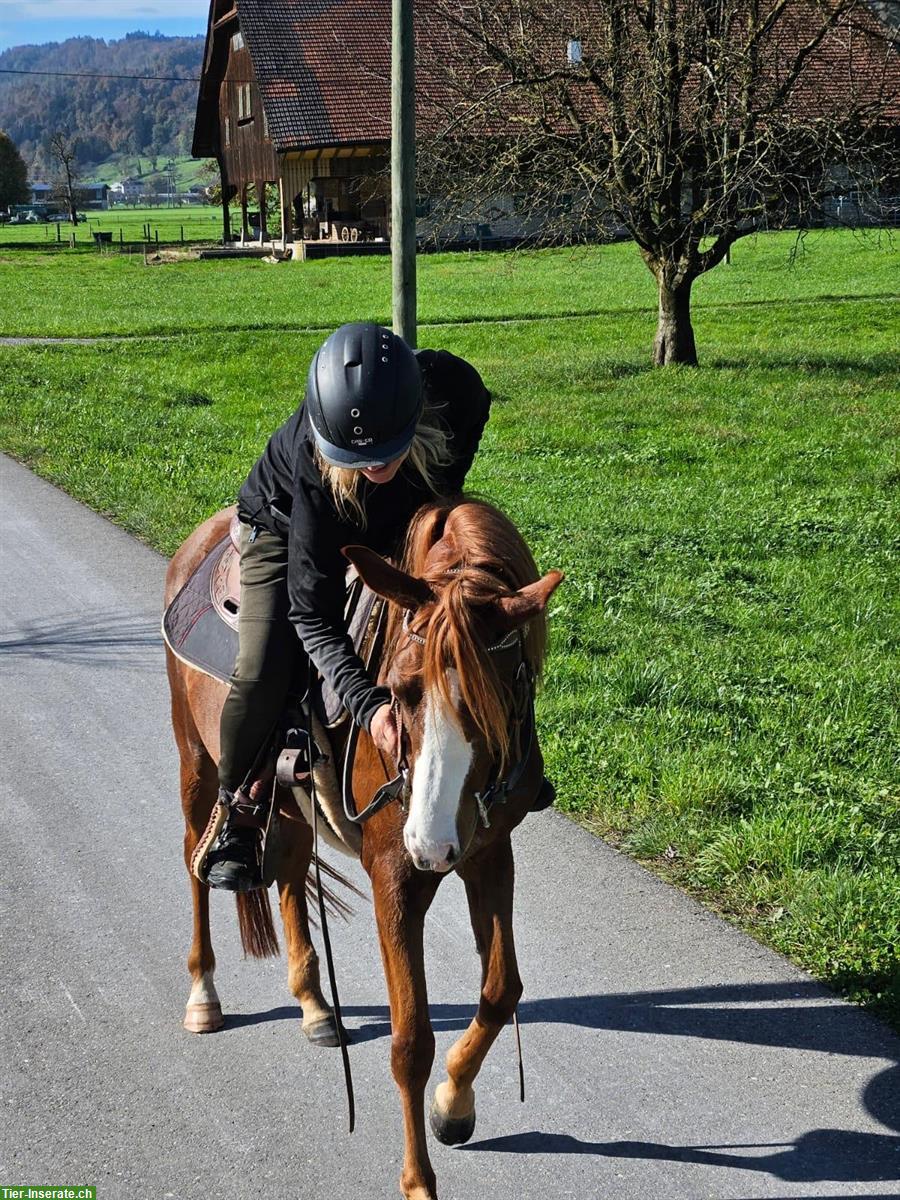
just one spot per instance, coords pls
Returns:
(296, 94)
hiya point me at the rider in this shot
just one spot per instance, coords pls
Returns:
(383, 430)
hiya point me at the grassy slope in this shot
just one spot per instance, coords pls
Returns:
(721, 698)
(188, 170)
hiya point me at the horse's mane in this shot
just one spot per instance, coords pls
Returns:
(470, 554)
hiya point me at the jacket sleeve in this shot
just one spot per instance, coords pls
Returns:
(316, 573)
(458, 392)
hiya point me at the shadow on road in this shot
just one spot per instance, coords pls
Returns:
(102, 639)
(832, 1155)
(765, 1014)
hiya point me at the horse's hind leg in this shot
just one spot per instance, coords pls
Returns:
(489, 887)
(303, 962)
(198, 791)
(199, 786)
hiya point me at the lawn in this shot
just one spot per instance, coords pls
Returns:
(199, 223)
(82, 293)
(721, 699)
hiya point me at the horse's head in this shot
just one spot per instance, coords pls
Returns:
(462, 627)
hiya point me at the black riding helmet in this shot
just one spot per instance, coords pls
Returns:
(363, 396)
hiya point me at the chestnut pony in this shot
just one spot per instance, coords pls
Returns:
(466, 625)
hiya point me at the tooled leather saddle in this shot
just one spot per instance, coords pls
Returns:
(200, 626)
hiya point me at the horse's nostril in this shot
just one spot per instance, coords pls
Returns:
(451, 855)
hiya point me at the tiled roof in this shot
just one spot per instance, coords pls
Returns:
(323, 68)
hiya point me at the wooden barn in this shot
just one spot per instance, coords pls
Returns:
(297, 94)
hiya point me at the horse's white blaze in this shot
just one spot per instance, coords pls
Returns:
(442, 765)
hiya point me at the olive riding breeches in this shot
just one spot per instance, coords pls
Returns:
(269, 654)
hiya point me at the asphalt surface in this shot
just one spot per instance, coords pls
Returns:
(666, 1055)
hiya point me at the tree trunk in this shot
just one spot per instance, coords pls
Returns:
(674, 333)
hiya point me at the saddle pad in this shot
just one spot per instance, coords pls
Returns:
(193, 629)
(197, 631)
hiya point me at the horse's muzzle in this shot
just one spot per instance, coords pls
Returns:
(440, 858)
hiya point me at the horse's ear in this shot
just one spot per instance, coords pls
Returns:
(388, 581)
(528, 601)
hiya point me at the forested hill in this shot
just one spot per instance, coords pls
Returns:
(109, 116)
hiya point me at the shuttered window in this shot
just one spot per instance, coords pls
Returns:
(245, 113)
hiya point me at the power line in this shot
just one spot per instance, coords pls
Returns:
(95, 75)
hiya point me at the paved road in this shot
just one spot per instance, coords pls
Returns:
(666, 1054)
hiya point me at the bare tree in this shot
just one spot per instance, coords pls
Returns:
(686, 123)
(62, 148)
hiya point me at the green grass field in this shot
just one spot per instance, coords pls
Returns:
(721, 700)
(199, 222)
(82, 293)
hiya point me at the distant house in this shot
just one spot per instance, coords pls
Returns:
(127, 189)
(93, 195)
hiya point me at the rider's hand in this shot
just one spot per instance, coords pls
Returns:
(383, 729)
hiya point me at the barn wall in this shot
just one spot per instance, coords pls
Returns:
(250, 155)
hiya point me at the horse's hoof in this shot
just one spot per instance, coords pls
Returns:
(324, 1032)
(452, 1131)
(203, 1018)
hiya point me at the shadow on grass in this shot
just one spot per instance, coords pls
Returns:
(872, 366)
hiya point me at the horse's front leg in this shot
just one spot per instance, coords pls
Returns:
(402, 897)
(303, 963)
(489, 887)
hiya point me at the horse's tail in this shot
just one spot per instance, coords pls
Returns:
(258, 936)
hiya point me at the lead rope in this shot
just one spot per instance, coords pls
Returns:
(519, 1049)
(332, 981)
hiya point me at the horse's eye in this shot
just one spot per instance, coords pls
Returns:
(409, 694)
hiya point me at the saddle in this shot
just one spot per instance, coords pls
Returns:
(200, 627)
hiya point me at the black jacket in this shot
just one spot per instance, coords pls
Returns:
(284, 493)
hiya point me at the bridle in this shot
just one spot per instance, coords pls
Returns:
(398, 788)
(498, 787)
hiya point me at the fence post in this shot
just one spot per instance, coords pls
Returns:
(157, 239)
(120, 236)
(182, 235)
(58, 232)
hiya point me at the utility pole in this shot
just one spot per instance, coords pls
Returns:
(403, 169)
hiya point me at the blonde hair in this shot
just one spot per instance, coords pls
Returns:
(428, 451)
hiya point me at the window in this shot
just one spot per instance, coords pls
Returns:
(228, 131)
(237, 41)
(265, 125)
(245, 113)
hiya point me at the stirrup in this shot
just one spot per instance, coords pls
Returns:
(236, 809)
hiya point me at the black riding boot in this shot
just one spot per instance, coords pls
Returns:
(234, 862)
(545, 797)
